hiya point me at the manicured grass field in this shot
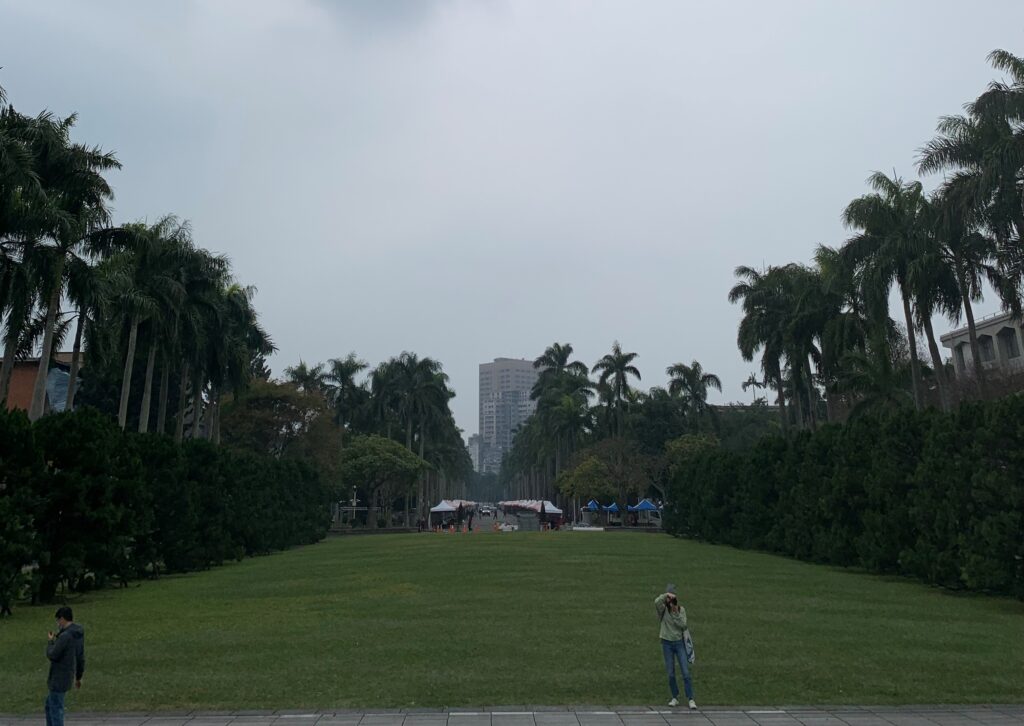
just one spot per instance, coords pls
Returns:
(407, 621)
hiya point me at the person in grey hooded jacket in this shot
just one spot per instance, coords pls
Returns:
(66, 653)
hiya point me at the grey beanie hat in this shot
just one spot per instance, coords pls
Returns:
(670, 588)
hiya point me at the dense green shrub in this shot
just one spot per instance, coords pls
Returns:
(935, 496)
(83, 504)
(20, 466)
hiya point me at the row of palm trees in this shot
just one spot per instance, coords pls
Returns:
(578, 407)
(826, 341)
(406, 398)
(129, 292)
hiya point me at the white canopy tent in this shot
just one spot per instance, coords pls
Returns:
(533, 505)
(442, 509)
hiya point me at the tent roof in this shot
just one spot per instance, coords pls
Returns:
(593, 506)
(443, 506)
(645, 505)
(533, 505)
(613, 507)
(550, 508)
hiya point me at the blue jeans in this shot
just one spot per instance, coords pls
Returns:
(674, 650)
(54, 705)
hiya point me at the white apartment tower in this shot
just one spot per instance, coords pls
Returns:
(504, 405)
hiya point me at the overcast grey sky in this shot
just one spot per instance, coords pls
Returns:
(471, 180)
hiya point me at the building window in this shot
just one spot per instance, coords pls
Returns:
(986, 348)
(1008, 342)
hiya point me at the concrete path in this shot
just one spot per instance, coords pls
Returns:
(583, 716)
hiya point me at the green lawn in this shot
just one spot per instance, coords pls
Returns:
(548, 618)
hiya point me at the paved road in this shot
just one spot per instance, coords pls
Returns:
(589, 716)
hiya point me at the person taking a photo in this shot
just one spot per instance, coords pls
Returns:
(673, 644)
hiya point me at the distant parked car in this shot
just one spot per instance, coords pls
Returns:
(486, 511)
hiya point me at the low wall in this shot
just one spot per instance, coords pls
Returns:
(339, 531)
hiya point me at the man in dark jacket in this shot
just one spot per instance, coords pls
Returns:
(66, 652)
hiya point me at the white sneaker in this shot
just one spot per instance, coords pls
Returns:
(693, 705)
(674, 702)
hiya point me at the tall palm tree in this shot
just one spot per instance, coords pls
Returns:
(238, 337)
(20, 292)
(308, 379)
(966, 252)
(984, 151)
(76, 207)
(341, 373)
(892, 235)
(204, 277)
(761, 327)
(142, 284)
(753, 383)
(691, 383)
(85, 294)
(554, 364)
(615, 369)
(385, 395)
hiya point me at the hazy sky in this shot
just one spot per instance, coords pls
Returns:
(470, 180)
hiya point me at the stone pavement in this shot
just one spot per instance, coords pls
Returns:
(564, 716)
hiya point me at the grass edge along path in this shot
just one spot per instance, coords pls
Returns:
(427, 621)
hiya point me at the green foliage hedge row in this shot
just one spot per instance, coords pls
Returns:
(83, 504)
(939, 497)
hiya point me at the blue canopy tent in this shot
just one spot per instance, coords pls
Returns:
(610, 511)
(593, 506)
(645, 505)
(643, 511)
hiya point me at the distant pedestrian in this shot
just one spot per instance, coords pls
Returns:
(66, 652)
(674, 634)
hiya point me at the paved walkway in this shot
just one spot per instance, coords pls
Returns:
(584, 716)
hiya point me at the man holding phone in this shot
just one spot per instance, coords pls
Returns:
(66, 653)
(673, 645)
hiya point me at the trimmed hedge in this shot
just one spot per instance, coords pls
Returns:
(939, 497)
(84, 505)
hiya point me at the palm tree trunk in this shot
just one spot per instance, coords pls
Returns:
(972, 330)
(811, 403)
(126, 377)
(197, 407)
(10, 348)
(940, 370)
(784, 415)
(179, 425)
(76, 362)
(915, 365)
(147, 389)
(371, 511)
(215, 417)
(799, 401)
(161, 408)
(420, 494)
(39, 389)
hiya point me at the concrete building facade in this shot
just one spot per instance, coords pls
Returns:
(505, 404)
(473, 447)
(1000, 343)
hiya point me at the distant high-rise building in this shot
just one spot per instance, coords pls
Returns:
(504, 405)
(473, 447)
